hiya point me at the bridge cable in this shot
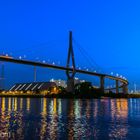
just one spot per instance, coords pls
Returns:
(87, 56)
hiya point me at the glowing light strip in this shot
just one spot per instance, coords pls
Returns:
(28, 87)
(12, 87)
(34, 87)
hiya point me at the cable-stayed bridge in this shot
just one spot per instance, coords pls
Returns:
(72, 70)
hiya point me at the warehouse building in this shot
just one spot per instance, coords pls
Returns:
(34, 86)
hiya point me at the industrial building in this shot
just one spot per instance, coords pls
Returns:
(59, 82)
(33, 86)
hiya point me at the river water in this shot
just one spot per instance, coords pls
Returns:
(42, 118)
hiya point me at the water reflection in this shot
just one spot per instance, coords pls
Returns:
(21, 103)
(28, 104)
(42, 118)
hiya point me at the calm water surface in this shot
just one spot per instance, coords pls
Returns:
(42, 118)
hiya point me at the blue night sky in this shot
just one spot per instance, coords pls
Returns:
(108, 30)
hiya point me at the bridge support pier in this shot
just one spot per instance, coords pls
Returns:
(117, 86)
(70, 85)
(125, 89)
(2, 77)
(102, 83)
(35, 74)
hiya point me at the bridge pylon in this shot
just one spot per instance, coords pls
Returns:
(70, 60)
(117, 86)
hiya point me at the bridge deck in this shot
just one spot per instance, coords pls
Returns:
(40, 64)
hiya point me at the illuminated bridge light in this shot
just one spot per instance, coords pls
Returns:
(111, 73)
(117, 74)
(44, 61)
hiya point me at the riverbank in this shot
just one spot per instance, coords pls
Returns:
(60, 95)
(120, 95)
(70, 95)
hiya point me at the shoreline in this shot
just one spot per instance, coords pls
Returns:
(72, 96)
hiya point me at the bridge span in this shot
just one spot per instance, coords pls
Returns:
(123, 82)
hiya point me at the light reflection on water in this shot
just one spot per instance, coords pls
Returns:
(42, 118)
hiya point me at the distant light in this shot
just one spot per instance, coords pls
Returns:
(117, 74)
(44, 61)
(79, 68)
(52, 80)
(53, 63)
(87, 69)
(111, 73)
(20, 57)
(95, 71)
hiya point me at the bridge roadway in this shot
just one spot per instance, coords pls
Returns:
(40, 64)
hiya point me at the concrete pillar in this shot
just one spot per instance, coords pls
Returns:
(2, 77)
(102, 83)
(70, 85)
(117, 86)
(125, 89)
(35, 74)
